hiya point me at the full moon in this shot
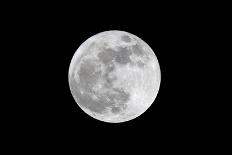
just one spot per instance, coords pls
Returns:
(114, 76)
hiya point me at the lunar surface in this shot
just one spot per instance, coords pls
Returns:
(114, 76)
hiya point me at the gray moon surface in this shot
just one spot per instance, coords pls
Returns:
(114, 76)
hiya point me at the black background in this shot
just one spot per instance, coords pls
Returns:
(49, 34)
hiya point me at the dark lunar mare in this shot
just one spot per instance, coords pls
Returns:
(85, 100)
(109, 80)
(137, 50)
(115, 109)
(122, 96)
(121, 56)
(106, 55)
(125, 38)
(88, 76)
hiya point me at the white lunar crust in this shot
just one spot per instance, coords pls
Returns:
(143, 84)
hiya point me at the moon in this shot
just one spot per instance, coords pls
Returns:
(114, 76)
